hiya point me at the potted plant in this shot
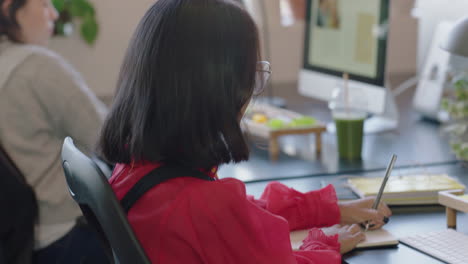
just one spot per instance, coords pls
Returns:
(73, 12)
(457, 106)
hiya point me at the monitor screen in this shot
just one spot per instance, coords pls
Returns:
(344, 36)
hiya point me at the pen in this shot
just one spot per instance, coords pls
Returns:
(382, 186)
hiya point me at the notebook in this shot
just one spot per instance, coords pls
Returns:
(374, 238)
(407, 189)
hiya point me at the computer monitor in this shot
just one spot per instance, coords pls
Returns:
(343, 36)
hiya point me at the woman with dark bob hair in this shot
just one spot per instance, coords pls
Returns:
(188, 75)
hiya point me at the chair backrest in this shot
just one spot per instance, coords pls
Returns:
(17, 198)
(91, 190)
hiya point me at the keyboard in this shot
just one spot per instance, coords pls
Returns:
(449, 245)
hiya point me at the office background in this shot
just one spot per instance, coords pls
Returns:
(408, 46)
(99, 64)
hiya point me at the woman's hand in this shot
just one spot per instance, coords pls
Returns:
(360, 211)
(348, 236)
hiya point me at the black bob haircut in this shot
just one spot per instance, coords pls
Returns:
(187, 75)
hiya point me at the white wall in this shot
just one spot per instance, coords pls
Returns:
(100, 64)
(118, 18)
(402, 39)
(431, 12)
(286, 44)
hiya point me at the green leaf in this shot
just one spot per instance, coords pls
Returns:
(59, 5)
(89, 29)
(461, 89)
(461, 84)
(463, 152)
(81, 8)
(445, 104)
(59, 28)
(70, 10)
(456, 147)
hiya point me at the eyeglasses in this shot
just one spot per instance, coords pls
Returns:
(262, 76)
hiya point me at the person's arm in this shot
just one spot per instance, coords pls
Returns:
(230, 227)
(319, 208)
(72, 107)
(302, 210)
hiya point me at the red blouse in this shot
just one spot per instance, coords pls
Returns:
(188, 220)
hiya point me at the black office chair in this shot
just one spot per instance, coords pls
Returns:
(91, 190)
(18, 202)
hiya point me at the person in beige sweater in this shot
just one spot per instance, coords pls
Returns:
(43, 100)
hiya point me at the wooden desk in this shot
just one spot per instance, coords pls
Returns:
(453, 202)
(263, 131)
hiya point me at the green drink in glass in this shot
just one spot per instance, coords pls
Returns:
(349, 133)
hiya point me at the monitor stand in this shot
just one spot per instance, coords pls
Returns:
(387, 121)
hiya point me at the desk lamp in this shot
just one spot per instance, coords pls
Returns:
(457, 41)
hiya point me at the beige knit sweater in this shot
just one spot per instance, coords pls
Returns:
(43, 100)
